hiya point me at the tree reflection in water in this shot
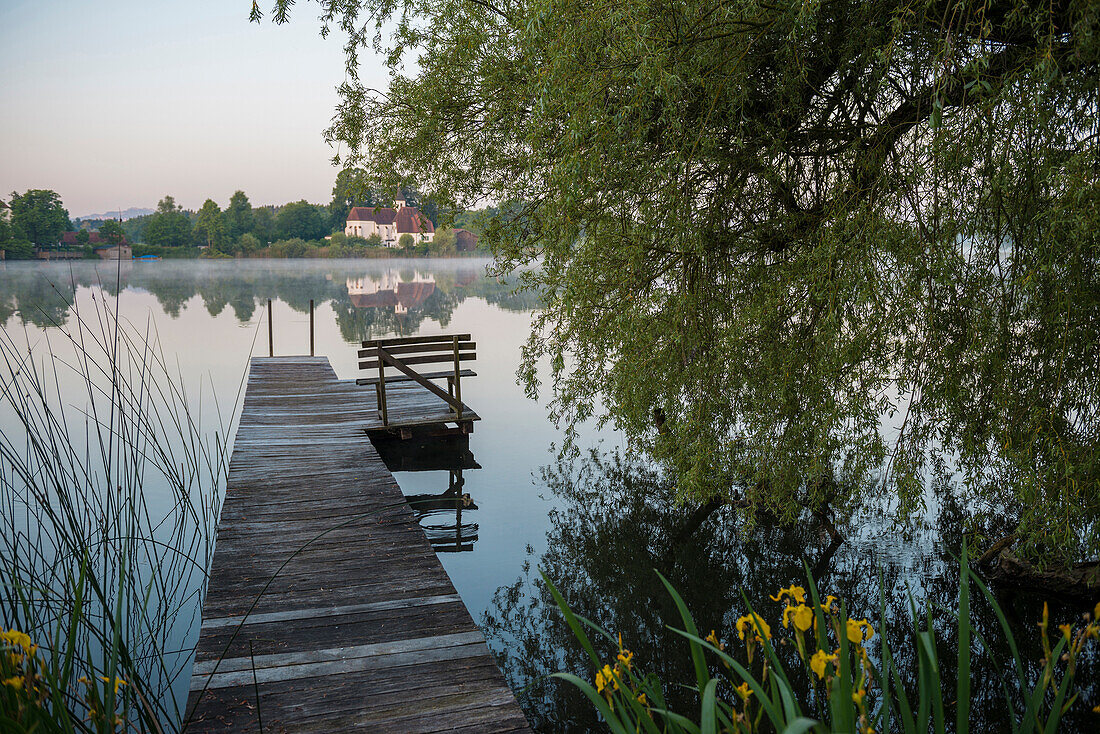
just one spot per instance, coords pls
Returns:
(42, 294)
(616, 522)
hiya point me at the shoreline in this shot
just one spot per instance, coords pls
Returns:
(158, 257)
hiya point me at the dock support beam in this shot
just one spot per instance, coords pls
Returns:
(458, 382)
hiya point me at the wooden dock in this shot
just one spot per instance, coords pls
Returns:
(410, 407)
(326, 608)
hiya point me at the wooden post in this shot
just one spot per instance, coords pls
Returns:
(458, 525)
(270, 332)
(457, 475)
(382, 387)
(458, 384)
(311, 327)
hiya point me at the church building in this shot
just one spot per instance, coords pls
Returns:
(389, 223)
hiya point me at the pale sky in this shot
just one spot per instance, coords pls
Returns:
(116, 104)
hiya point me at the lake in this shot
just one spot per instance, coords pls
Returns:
(598, 521)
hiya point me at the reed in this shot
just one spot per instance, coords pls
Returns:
(109, 502)
(853, 683)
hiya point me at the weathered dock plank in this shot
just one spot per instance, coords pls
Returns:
(327, 609)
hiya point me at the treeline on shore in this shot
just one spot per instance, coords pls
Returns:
(37, 220)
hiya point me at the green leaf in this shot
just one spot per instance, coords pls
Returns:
(609, 716)
(571, 620)
(702, 675)
(766, 704)
(708, 716)
(800, 725)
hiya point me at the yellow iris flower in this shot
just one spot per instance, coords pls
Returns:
(753, 623)
(820, 660)
(15, 638)
(859, 631)
(801, 615)
(792, 593)
(117, 682)
(605, 679)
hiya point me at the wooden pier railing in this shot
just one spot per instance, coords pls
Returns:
(403, 353)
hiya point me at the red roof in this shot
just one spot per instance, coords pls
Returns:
(409, 219)
(379, 215)
(414, 294)
(408, 295)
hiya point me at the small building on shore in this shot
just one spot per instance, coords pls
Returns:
(102, 247)
(389, 223)
(121, 251)
(465, 240)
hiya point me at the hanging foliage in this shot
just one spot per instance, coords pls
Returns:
(761, 227)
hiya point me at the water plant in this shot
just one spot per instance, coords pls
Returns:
(852, 682)
(108, 512)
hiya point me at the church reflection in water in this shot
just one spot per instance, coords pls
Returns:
(444, 516)
(390, 291)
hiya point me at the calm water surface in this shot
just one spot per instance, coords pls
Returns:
(598, 522)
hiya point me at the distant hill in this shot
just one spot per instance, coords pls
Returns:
(126, 214)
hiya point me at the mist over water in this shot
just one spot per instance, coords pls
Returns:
(599, 523)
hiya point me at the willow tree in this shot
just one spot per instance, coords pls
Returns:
(761, 227)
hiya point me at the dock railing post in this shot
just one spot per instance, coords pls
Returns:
(458, 383)
(270, 332)
(382, 386)
(311, 327)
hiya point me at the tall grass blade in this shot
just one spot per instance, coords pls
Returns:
(962, 698)
(773, 714)
(884, 652)
(799, 726)
(709, 706)
(702, 675)
(571, 619)
(598, 702)
(108, 511)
